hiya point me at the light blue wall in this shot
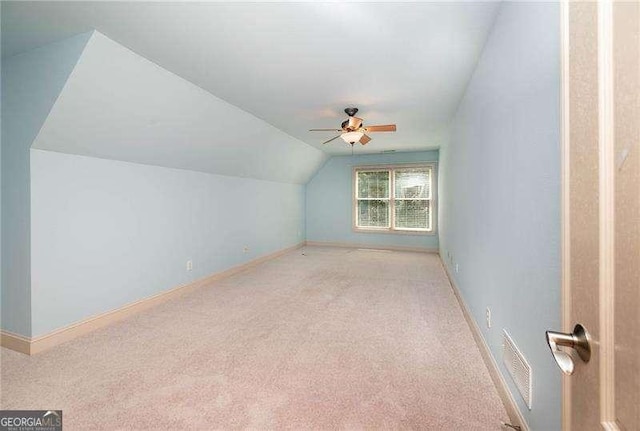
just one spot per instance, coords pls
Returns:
(31, 83)
(0, 172)
(106, 233)
(203, 217)
(500, 195)
(330, 200)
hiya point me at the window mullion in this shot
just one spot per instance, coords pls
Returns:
(392, 199)
(430, 219)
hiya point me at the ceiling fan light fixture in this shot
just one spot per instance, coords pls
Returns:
(352, 137)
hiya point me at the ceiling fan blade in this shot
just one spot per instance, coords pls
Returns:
(325, 130)
(364, 139)
(326, 142)
(385, 128)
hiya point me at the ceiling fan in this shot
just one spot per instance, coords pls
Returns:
(353, 130)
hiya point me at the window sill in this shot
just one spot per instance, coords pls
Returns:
(395, 232)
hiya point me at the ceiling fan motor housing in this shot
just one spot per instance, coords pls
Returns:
(354, 123)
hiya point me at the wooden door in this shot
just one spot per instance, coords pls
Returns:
(601, 211)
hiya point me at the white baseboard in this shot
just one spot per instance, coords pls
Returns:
(32, 346)
(372, 246)
(510, 405)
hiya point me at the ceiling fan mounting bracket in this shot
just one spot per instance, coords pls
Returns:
(351, 111)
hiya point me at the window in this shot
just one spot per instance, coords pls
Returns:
(394, 199)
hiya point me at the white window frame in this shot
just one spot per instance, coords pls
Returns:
(433, 212)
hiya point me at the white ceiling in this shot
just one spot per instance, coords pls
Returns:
(294, 65)
(118, 105)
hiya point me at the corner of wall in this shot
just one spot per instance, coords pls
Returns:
(32, 82)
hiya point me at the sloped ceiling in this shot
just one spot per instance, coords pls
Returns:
(118, 105)
(294, 65)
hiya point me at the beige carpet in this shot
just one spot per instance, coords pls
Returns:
(332, 339)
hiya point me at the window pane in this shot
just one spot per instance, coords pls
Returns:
(412, 214)
(413, 183)
(373, 213)
(373, 184)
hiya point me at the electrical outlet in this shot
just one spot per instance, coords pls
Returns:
(245, 249)
(457, 268)
(488, 314)
(189, 265)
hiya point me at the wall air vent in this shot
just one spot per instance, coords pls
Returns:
(518, 367)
